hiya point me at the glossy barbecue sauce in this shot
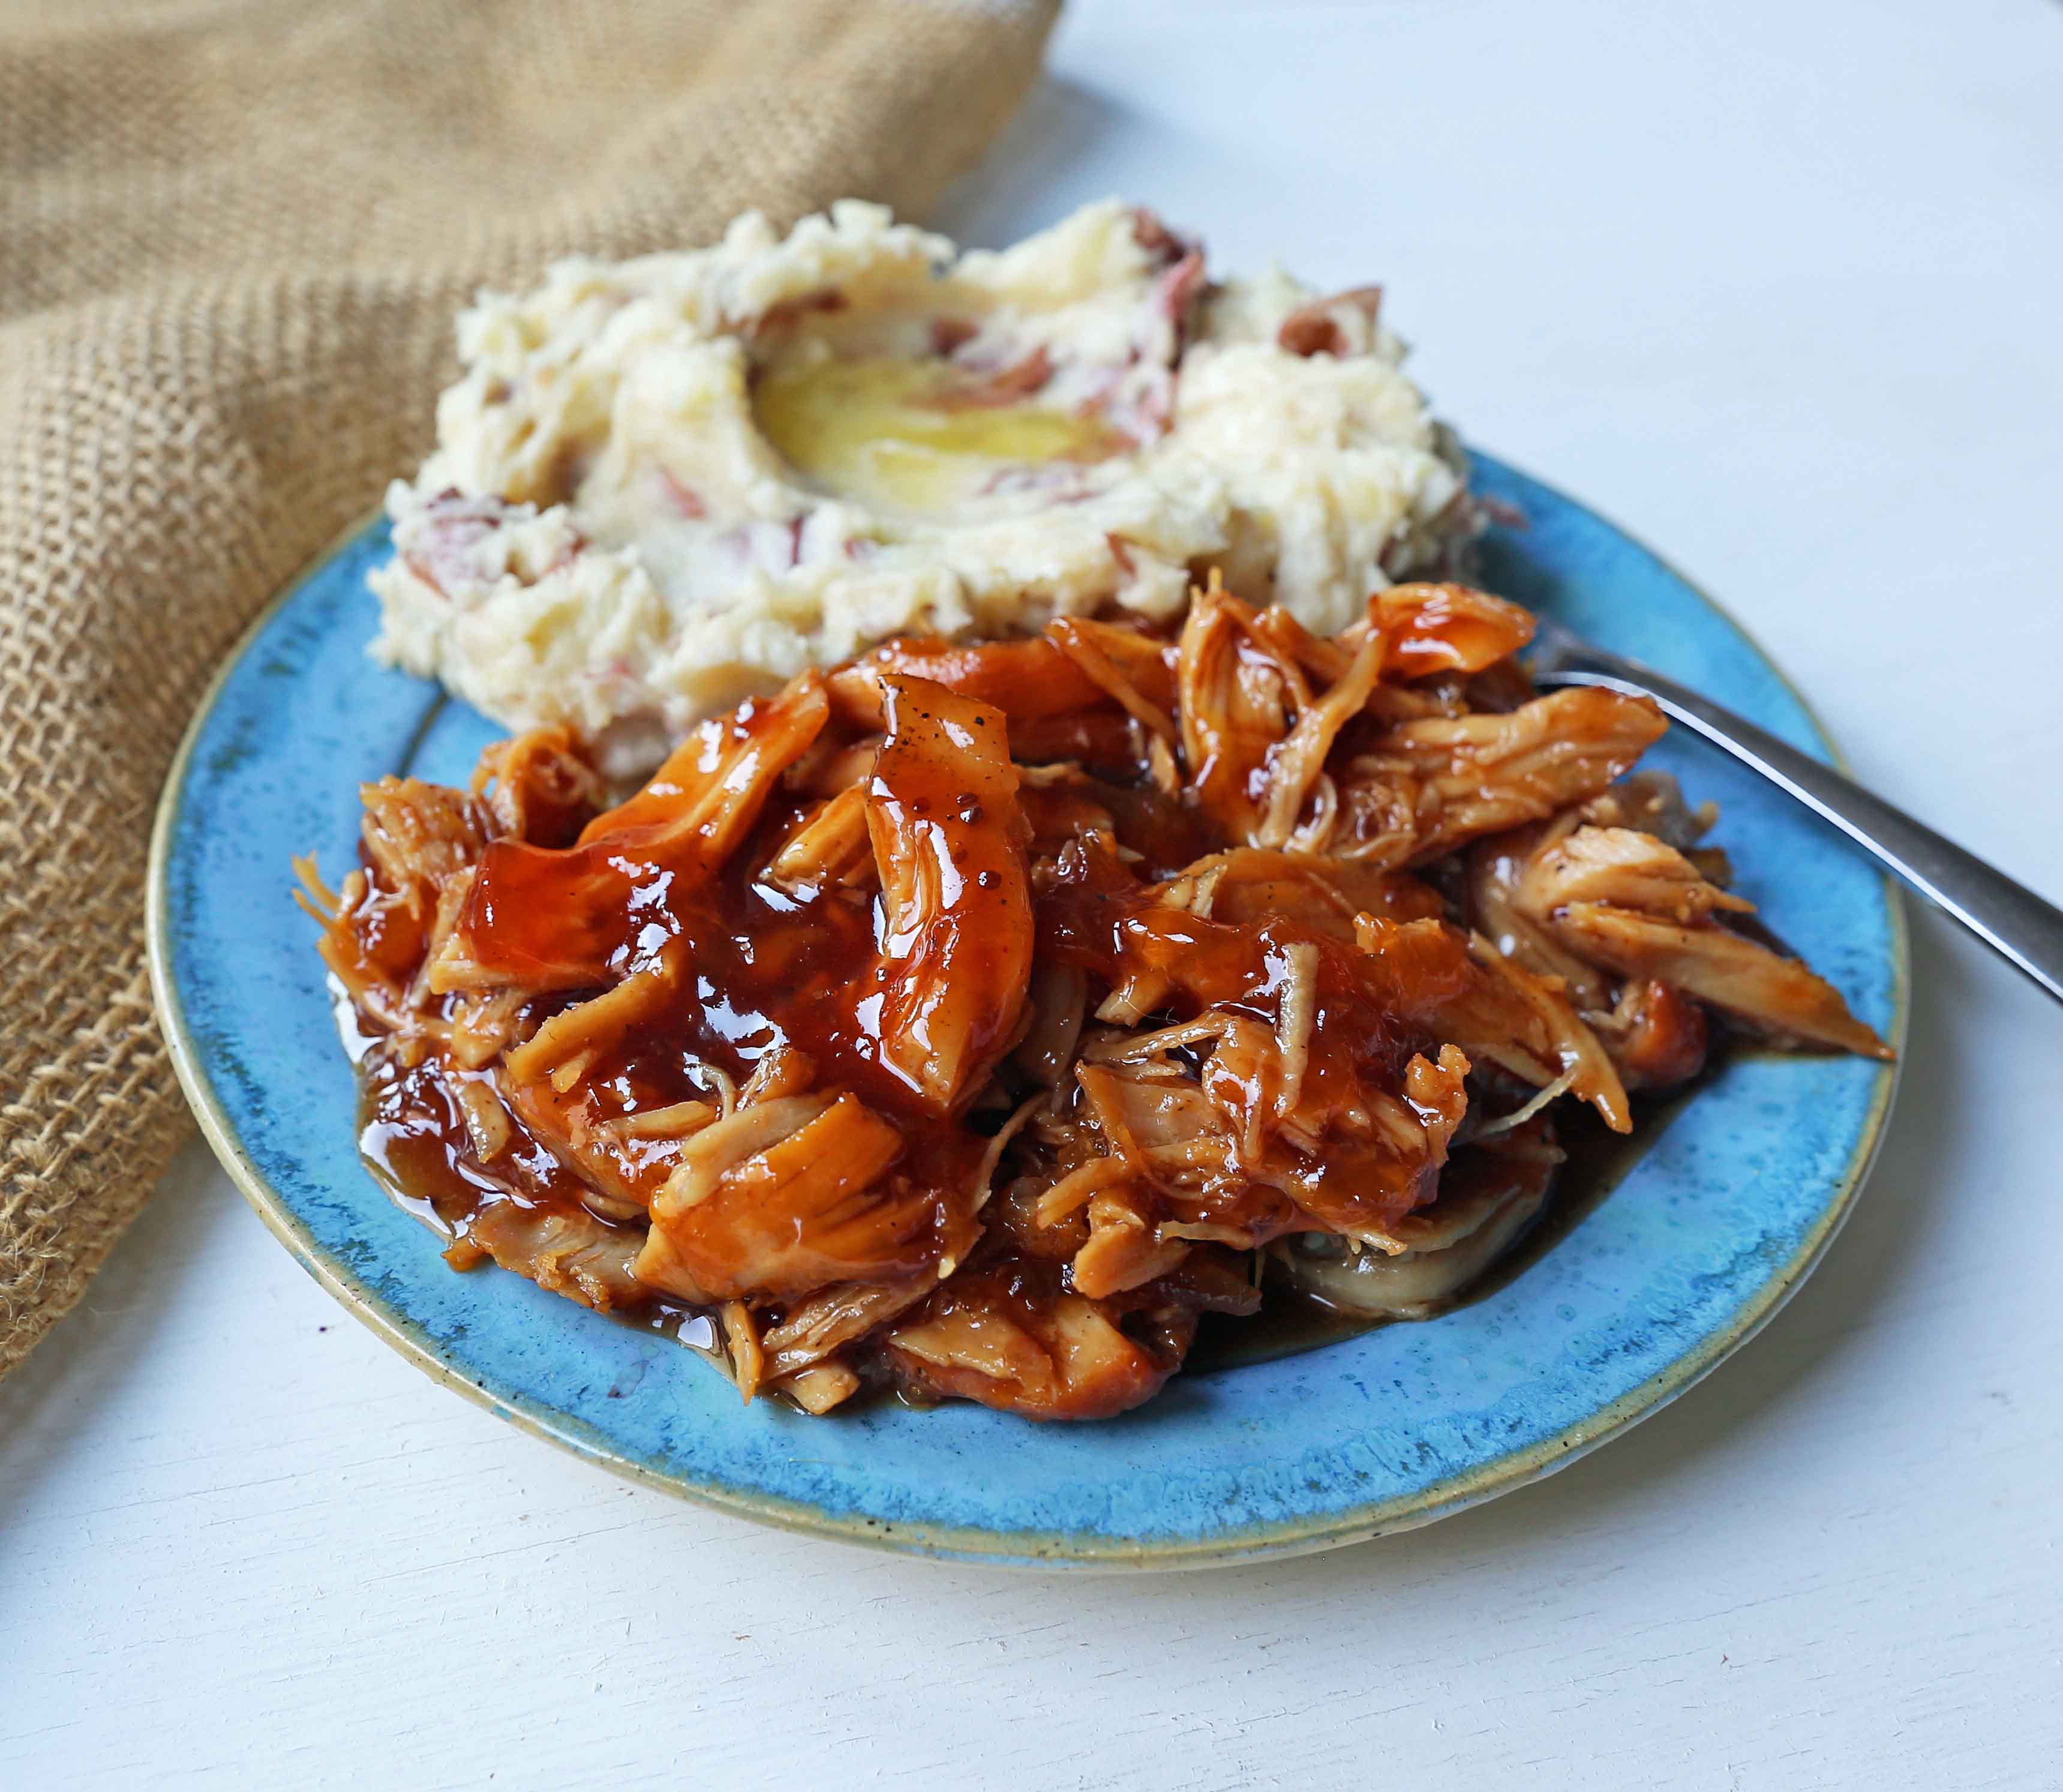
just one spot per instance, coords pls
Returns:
(814, 970)
(807, 964)
(765, 972)
(420, 1148)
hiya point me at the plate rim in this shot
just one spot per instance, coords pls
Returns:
(1026, 1549)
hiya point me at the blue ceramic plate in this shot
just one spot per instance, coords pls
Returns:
(1717, 1223)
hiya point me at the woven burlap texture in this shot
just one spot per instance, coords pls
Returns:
(232, 239)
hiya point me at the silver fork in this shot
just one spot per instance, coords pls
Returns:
(2007, 916)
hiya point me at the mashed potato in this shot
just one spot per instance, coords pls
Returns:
(663, 484)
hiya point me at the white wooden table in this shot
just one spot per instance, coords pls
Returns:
(1777, 286)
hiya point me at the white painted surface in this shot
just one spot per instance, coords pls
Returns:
(1775, 285)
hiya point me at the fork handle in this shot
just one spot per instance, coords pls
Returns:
(2007, 916)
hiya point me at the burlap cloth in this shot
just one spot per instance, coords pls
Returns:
(232, 238)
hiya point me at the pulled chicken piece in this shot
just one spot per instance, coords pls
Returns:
(956, 930)
(1636, 906)
(1013, 1336)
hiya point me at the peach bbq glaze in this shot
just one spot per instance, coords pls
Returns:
(969, 1020)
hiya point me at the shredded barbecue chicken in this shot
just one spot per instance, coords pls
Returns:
(967, 1020)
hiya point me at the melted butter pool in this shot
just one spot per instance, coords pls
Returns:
(908, 435)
